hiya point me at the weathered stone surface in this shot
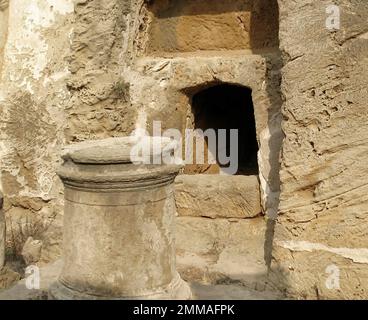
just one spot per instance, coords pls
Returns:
(2, 233)
(323, 206)
(120, 150)
(200, 291)
(101, 50)
(218, 196)
(3, 27)
(87, 77)
(223, 251)
(19, 290)
(176, 28)
(34, 43)
(7, 278)
(31, 252)
(79, 70)
(168, 84)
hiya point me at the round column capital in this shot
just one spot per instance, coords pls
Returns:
(107, 164)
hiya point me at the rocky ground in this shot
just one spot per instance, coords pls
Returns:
(50, 272)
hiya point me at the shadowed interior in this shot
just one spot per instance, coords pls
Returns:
(226, 107)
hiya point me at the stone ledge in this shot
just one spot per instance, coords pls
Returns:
(218, 196)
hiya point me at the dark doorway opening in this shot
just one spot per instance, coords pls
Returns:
(227, 106)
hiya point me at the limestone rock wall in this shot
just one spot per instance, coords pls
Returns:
(34, 42)
(61, 82)
(100, 48)
(189, 25)
(164, 74)
(2, 233)
(77, 70)
(3, 35)
(321, 234)
(3, 27)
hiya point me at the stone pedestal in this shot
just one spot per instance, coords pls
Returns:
(2, 233)
(118, 226)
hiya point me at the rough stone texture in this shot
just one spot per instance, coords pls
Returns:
(60, 64)
(2, 233)
(99, 106)
(3, 27)
(33, 97)
(189, 25)
(200, 291)
(162, 84)
(33, 84)
(77, 70)
(119, 150)
(31, 251)
(161, 90)
(221, 251)
(76, 75)
(217, 196)
(19, 291)
(323, 206)
(8, 277)
(3, 35)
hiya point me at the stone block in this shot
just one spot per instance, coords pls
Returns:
(218, 251)
(218, 196)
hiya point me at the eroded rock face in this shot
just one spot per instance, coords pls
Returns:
(3, 27)
(323, 217)
(189, 25)
(2, 233)
(82, 72)
(99, 106)
(61, 81)
(223, 251)
(31, 251)
(218, 196)
(83, 79)
(33, 99)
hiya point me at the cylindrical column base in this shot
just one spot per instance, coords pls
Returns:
(176, 290)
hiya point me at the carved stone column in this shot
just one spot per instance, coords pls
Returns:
(118, 226)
